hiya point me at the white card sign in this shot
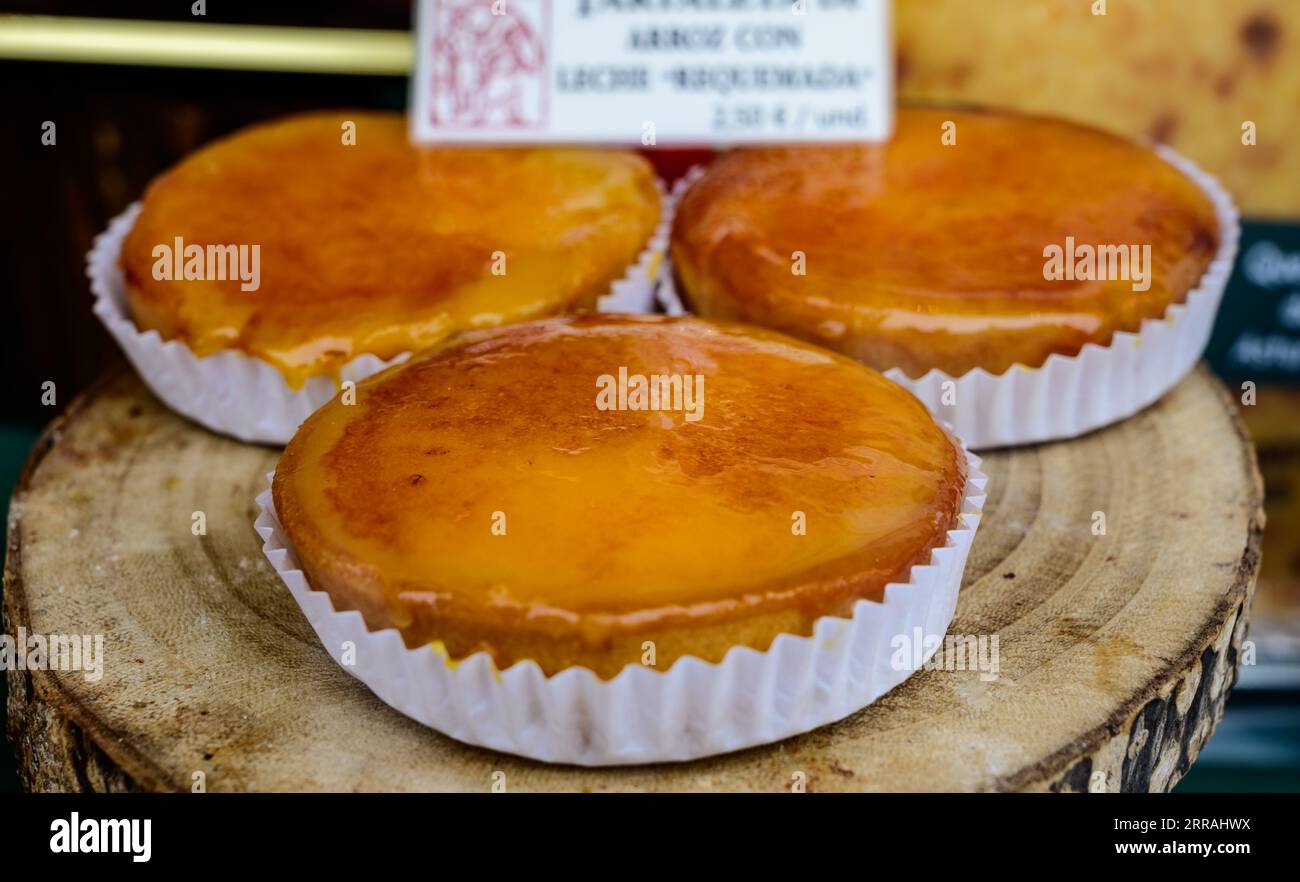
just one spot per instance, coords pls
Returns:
(665, 72)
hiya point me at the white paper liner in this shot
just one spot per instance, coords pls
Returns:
(1068, 395)
(248, 398)
(666, 295)
(642, 715)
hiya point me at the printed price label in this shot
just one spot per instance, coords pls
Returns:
(679, 72)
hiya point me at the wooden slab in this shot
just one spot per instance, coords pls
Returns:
(1116, 652)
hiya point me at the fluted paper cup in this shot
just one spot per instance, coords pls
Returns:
(644, 715)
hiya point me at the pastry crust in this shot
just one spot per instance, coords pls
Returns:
(378, 247)
(918, 254)
(614, 528)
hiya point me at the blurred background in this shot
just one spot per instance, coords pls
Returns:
(134, 86)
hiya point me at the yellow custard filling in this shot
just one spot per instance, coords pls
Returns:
(376, 246)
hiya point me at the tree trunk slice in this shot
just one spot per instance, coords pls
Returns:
(1117, 652)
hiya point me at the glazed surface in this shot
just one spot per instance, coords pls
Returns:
(620, 526)
(379, 247)
(919, 255)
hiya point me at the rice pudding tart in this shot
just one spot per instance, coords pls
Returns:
(374, 246)
(513, 491)
(948, 247)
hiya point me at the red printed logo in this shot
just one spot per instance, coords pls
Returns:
(491, 63)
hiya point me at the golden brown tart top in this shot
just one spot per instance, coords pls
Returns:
(922, 255)
(378, 247)
(477, 495)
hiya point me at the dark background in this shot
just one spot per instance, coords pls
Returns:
(117, 128)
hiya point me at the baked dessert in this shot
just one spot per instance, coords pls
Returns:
(376, 246)
(916, 254)
(480, 497)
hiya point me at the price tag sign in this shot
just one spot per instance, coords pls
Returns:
(652, 72)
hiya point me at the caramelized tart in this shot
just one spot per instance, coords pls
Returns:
(481, 497)
(369, 245)
(932, 250)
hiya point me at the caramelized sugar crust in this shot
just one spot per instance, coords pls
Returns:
(621, 526)
(379, 247)
(921, 255)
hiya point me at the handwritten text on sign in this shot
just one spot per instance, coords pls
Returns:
(652, 71)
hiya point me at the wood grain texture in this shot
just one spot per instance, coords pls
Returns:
(1116, 652)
